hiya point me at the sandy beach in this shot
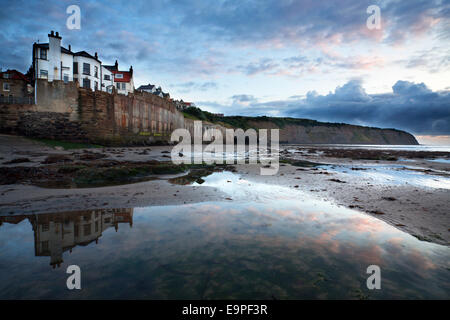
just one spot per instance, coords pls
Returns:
(418, 209)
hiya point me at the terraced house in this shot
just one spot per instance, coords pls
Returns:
(52, 61)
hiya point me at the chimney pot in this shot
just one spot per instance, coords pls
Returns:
(96, 55)
(57, 33)
(70, 47)
(52, 33)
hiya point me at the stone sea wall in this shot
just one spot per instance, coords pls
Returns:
(65, 111)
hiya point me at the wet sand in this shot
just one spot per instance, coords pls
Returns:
(419, 210)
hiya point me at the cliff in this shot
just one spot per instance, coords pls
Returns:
(299, 131)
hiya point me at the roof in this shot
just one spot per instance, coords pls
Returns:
(86, 55)
(126, 76)
(111, 68)
(146, 87)
(45, 46)
(14, 75)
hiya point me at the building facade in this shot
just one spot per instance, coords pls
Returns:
(121, 80)
(51, 61)
(14, 86)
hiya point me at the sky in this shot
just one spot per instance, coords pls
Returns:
(298, 58)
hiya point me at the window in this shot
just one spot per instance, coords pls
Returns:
(44, 246)
(66, 78)
(107, 77)
(119, 76)
(95, 85)
(86, 69)
(75, 68)
(6, 75)
(96, 226)
(76, 230)
(87, 229)
(6, 87)
(43, 55)
(123, 85)
(118, 85)
(96, 71)
(86, 83)
(45, 227)
(44, 74)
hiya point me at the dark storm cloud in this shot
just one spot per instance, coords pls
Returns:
(412, 107)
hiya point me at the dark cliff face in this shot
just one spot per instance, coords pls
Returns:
(336, 134)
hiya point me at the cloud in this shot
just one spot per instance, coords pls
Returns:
(191, 86)
(262, 66)
(410, 106)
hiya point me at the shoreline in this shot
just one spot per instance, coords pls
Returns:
(418, 210)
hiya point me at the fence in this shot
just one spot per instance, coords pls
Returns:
(16, 100)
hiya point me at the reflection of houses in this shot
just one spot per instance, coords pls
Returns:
(55, 233)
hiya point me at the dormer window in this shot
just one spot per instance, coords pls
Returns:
(119, 76)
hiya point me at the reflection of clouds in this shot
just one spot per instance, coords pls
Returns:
(259, 248)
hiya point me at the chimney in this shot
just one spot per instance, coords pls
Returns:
(116, 65)
(53, 35)
(54, 56)
(131, 70)
(70, 47)
(96, 55)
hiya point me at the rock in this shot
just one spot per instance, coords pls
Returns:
(17, 160)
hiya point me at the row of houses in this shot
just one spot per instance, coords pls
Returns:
(51, 61)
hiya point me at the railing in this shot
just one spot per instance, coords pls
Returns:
(52, 78)
(17, 100)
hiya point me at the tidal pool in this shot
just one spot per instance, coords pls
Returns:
(396, 175)
(267, 242)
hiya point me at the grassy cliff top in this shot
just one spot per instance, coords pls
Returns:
(245, 122)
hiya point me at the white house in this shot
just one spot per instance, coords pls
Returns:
(150, 88)
(107, 79)
(51, 61)
(86, 70)
(122, 80)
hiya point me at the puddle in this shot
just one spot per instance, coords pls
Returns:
(440, 160)
(267, 242)
(395, 175)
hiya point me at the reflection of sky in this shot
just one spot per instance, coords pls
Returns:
(290, 247)
(441, 160)
(395, 175)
